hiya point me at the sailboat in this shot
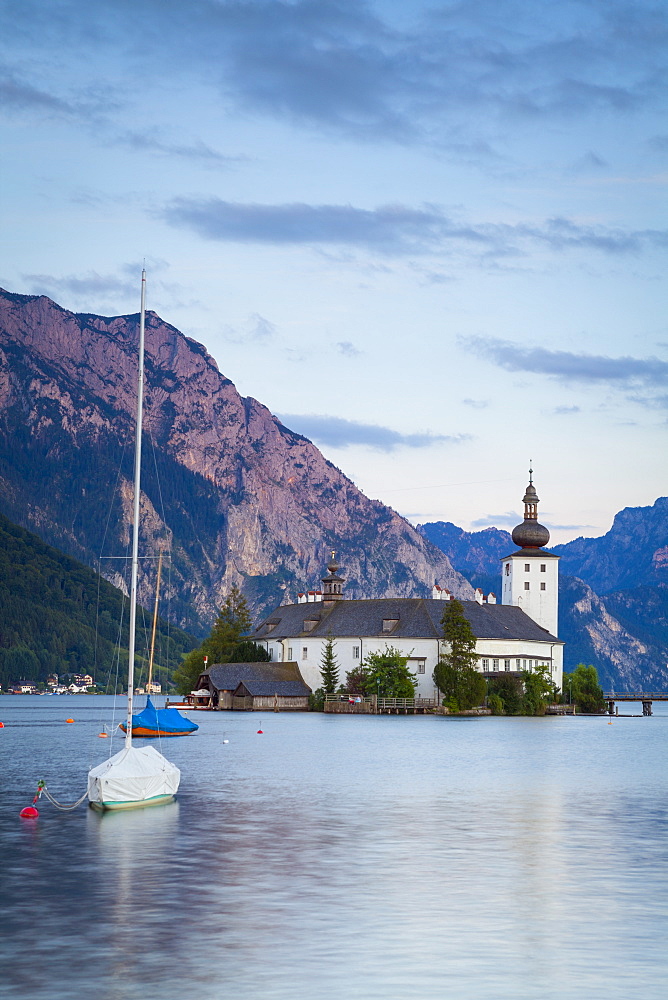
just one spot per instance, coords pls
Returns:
(136, 776)
(154, 721)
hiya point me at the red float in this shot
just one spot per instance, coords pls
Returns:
(29, 812)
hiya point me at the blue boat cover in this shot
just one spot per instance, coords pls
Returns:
(165, 720)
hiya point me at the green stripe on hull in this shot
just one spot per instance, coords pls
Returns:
(156, 800)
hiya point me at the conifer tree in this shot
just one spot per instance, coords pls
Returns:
(329, 667)
(233, 621)
(455, 675)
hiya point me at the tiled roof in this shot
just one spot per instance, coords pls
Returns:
(228, 676)
(268, 688)
(417, 618)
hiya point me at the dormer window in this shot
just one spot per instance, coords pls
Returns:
(310, 624)
(389, 624)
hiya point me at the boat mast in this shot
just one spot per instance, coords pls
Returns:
(135, 524)
(153, 630)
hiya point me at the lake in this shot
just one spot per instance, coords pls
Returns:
(337, 857)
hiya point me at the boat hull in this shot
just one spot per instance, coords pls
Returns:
(157, 800)
(143, 731)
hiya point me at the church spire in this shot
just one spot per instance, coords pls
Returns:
(530, 534)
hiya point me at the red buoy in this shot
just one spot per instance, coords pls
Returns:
(259, 730)
(2, 725)
(29, 812)
(69, 720)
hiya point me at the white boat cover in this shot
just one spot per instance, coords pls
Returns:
(133, 775)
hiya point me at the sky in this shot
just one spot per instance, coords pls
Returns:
(431, 237)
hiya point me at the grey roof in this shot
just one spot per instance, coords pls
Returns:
(228, 676)
(532, 553)
(268, 688)
(416, 617)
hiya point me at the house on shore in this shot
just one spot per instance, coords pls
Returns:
(254, 687)
(516, 635)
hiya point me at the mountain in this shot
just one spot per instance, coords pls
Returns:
(476, 554)
(633, 553)
(58, 616)
(239, 497)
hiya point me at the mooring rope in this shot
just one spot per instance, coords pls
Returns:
(43, 790)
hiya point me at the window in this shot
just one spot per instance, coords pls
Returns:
(495, 664)
(420, 666)
(526, 585)
(542, 586)
(506, 664)
(356, 652)
(271, 652)
(389, 624)
(289, 652)
(485, 664)
(304, 652)
(519, 664)
(507, 569)
(542, 567)
(310, 624)
(527, 567)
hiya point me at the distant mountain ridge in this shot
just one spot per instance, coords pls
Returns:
(613, 591)
(240, 498)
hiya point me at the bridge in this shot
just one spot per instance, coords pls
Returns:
(646, 697)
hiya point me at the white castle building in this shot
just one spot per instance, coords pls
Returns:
(518, 634)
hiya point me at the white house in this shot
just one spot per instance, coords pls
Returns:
(518, 634)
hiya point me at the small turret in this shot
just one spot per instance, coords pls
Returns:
(332, 584)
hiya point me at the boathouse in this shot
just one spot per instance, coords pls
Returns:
(255, 686)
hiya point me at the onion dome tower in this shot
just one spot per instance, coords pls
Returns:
(332, 584)
(530, 534)
(530, 576)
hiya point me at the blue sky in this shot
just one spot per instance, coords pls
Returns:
(431, 237)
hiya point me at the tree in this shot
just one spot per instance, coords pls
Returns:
(455, 675)
(356, 680)
(539, 690)
(508, 689)
(387, 675)
(329, 667)
(233, 621)
(582, 688)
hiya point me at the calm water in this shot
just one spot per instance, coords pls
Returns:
(337, 858)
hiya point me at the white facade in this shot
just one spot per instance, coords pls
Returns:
(530, 581)
(502, 655)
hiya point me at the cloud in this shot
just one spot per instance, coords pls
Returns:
(339, 433)
(348, 349)
(560, 410)
(18, 95)
(425, 75)
(257, 330)
(508, 520)
(391, 229)
(84, 286)
(152, 142)
(570, 367)
(476, 404)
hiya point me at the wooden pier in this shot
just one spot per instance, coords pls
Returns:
(373, 705)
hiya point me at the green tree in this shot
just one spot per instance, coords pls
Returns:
(582, 688)
(233, 621)
(455, 675)
(248, 651)
(329, 667)
(509, 689)
(387, 675)
(539, 690)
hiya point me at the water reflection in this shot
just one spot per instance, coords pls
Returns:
(351, 858)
